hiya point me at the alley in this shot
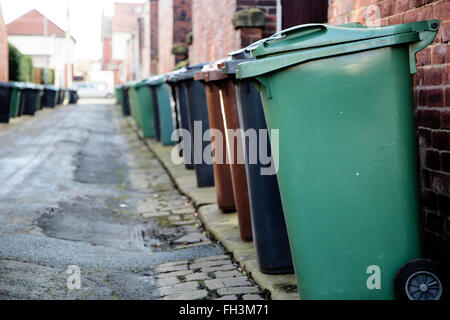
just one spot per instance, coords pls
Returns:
(78, 188)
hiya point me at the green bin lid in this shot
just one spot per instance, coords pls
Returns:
(140, 83)
(156, 80)
(315, 41)
(18, 85)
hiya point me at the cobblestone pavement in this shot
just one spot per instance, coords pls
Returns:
(215, 277)
(79, 188)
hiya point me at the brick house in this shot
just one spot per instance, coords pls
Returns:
(116, 43)
(172, 30)
(4, 75)
(106, 42)
(149, 50)
(47, 44)
(432, 104)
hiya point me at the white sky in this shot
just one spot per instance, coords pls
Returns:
(85, 19)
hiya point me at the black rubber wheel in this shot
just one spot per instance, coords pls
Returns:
(422, 279)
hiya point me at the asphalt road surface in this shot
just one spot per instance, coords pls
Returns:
(63, 176)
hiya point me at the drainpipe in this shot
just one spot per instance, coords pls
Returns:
(279, 16)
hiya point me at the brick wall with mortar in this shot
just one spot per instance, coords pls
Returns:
(173, 29)
(270, 9)
(4, 70)
(432, 104)
(165, 36)
(214, 35)
(153, 36)
(146, 37)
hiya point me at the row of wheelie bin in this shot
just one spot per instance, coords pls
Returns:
(17, 99)
(310, 136)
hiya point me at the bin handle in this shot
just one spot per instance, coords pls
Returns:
(302, 28)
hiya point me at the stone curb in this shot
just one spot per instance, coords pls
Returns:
(223, 227)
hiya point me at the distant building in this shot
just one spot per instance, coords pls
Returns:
(119, 37)
(48, 45)
(107, 42)
(3, 50)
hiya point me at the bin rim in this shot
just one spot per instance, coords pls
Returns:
(50, 87)
(213, 71)
(140, 83)
(189, 73)
(6, 85)
(174, 76)
(318, 35)
(17, 85)
(156, 80)
(417, 41)
(29, 85)
(237, 57)
(130, 84)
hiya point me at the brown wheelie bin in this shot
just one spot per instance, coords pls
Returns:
(222, 170)
(224, 110)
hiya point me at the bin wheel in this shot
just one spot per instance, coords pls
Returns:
(421, 279)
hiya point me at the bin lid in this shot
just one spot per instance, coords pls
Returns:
(315, 41)
(156, 80)
(212, 71)
(190, 72)
(18, 85)
(6, 85)
(237, 57)
(174, 76)
(139, 84)
(130, 84)
(49, 87)
(30, 86)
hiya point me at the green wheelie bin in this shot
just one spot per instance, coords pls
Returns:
(342, 100)
(40, 93)
(119, 95)
(134, 103)
(15, 99)
(144, 96)
(161, 99)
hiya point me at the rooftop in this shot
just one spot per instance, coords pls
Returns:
(32, 23)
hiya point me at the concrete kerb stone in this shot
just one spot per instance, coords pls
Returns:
(223, 227)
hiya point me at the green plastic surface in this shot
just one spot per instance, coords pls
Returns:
(347, 163)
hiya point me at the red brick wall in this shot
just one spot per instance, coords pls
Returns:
(165, 36)
(146, 37)
(213, 30)
(269, 7)
(432, 104)
(154, 36)
(107, 52)
(4, 71)
(174, 23)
